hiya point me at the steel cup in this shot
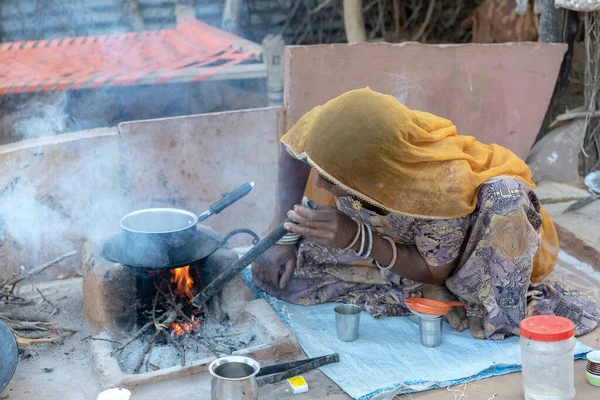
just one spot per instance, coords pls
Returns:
(234, 378)
(347, 321)
(430, 331)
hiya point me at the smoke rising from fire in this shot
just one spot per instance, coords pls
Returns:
(46, 212)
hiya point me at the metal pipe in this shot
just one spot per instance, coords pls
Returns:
(261, 247)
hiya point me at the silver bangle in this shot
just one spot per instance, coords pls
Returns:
(368, 253)
(356, 236)
(394, 255)
(289, 239)
(362, 240)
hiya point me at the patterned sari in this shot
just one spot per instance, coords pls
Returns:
(451, 196)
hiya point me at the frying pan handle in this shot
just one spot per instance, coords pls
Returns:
(228, 200)
(255, 238)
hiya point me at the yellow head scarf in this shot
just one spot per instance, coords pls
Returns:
(406, 161)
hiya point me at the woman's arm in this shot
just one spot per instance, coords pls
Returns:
(409, 262)
(291, 181)
(332, 228)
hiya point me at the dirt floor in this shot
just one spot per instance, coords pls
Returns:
(57, 371)
(64, 371)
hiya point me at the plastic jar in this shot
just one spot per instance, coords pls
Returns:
(547, 345)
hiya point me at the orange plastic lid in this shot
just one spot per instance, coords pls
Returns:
(428, 306)
(547, 328)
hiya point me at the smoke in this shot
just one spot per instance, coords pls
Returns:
(54, 196)
(42, 118)
(47, 208)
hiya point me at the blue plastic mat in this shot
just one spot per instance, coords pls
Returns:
(388, 359)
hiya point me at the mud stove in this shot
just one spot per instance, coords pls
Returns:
(146, 330)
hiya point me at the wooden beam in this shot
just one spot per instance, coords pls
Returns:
(354, 21)
(551, 22)
(557, 25)
(184, 10)
(231, 15)
(135, 17)
(273, 46)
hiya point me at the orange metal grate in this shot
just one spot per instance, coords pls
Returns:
(193, 48)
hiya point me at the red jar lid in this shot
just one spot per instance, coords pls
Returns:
(547, 328)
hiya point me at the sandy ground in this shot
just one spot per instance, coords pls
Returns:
(57, 371)
(65, 372)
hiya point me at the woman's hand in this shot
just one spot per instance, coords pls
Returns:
(326, 225)
(267, 267)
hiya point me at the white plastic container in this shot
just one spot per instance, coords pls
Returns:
(547, 344)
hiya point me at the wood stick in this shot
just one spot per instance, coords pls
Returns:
(16, 302)
(27, 325)
(35, 286)
(159, 328)
(176, 344)
(321, 6)
(205, 342)
(68, 330)
(22, 341)
(425, 23)
(568, 116)
(138, 334)
(13, 296)
(146, 350)
(39, 269)
(90, 337)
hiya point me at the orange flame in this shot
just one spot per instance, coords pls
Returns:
(184, 281)
(181, 328)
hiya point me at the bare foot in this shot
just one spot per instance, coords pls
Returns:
(476, 327)
(457, 317)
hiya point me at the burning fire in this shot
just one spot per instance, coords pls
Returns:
(184, 281)
(182, 278)
(181, 328)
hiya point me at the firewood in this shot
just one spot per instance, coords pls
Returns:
(22, 341)
(171, 317)
(41, 268)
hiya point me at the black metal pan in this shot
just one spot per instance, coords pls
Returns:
(9, 354)
(204, 243)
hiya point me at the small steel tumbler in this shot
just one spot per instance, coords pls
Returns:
(347, 321)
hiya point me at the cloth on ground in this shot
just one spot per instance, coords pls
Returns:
(388, 359)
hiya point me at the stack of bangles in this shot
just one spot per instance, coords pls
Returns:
(289, 239)
(365, 235)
